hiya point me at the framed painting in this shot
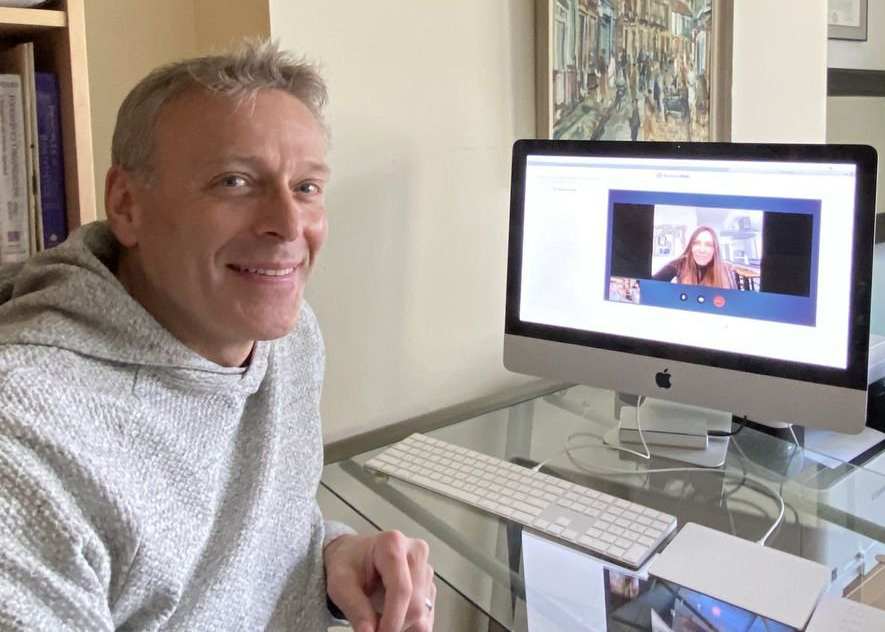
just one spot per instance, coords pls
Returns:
(634, 69)
(847, 19)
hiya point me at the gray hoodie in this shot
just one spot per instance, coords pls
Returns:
(142, 486)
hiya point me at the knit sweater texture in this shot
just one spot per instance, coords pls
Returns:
(142, 486)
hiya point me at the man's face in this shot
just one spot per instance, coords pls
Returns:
(222, 234)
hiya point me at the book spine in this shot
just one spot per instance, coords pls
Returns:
(51, 160)
(14, 229)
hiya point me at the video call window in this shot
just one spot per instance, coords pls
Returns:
(751, 257)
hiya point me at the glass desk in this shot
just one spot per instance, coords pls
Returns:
(834, 512)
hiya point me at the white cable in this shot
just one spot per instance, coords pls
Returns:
(622, 472)
(647, 455)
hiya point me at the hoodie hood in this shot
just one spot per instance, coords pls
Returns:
(69, 297)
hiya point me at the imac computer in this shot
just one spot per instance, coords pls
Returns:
(707, 277)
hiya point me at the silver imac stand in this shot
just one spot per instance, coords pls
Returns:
(673, 431)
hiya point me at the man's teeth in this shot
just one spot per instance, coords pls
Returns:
(268, 272)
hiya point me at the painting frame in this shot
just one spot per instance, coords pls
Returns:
(714, 124)
(847, 20)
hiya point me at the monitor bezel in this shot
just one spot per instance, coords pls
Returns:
(865, 159)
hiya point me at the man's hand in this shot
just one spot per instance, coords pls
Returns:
(384, 573)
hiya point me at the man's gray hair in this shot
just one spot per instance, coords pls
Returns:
(256, 65)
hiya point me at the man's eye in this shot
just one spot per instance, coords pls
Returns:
(308, 187)
(232, 181)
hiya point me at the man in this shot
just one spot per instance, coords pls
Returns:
(160, 445)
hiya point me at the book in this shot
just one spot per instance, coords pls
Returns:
(14, 229)
(50, 160)
(19, 60)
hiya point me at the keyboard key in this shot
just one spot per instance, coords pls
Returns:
(634, 553)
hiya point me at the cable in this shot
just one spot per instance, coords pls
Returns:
(569, 449)
(722, 433)
(740, 484)
(602, 446)
(647, 456)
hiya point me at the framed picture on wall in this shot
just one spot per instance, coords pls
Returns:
(847, 19)
(634, 69)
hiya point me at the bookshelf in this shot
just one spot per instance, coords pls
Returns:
(58, 31)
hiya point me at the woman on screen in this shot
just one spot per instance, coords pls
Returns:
(700, 263)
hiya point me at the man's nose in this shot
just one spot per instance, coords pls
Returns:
(282, 216)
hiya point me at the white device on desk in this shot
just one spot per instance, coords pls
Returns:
(677, 431)
(613, 528)
(777, 585)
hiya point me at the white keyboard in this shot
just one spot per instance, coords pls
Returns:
(609, 527)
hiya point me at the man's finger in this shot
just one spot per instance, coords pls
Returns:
(392, 564)
(431, 614)
(358, 610)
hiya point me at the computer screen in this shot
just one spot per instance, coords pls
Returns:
(724, 275)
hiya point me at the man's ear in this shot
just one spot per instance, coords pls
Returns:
(121, 207)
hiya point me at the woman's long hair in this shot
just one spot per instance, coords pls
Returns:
(717, 272)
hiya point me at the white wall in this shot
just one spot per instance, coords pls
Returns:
(869, 55)
(426, 100)
(779, 74)
(219, 23)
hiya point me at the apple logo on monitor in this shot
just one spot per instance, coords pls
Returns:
(662, 378)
